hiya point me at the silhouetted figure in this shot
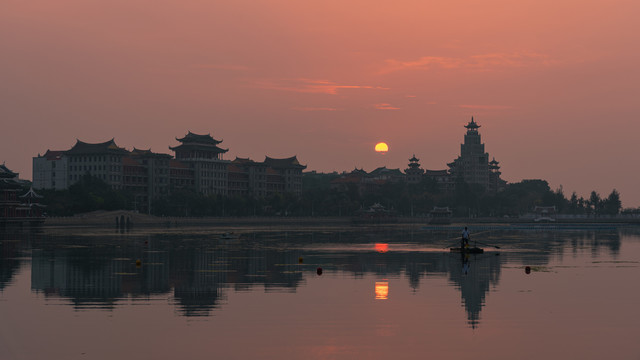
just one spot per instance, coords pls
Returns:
(464, 242)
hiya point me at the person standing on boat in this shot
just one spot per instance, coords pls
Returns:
(465, 238)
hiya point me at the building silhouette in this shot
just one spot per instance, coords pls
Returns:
(198, 164)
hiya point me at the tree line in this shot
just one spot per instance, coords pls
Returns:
(320, 198)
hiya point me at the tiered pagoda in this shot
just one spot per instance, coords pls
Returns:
(473, 165)
(202, 154)
(414, 171)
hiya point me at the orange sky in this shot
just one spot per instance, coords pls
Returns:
(554, 84)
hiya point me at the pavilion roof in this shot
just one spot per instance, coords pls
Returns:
(53, 154)
(82, 147)
(147, 153)
(31, 195)
(290, 162)
(6, 173)
(198, 138)
(472, 125)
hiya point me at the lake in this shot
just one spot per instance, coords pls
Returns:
(319, 293)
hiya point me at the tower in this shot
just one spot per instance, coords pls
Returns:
(414, 172)
(473, 165)
(202, 154)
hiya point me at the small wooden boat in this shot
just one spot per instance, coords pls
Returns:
(469, 250)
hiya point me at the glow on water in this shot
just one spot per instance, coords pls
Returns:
(379, 295)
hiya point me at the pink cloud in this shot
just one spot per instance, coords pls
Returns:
(475, 62)
(313, 86)
(385, 106)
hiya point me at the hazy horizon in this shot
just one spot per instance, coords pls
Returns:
(554, 85)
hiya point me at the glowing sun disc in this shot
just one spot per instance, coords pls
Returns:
(382, 147)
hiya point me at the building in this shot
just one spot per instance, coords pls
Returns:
(202, 154)
(50, 171)
(102, 160)
(473, 164)
(15, 207)
(287, 172)
(198, 165)
(248, 177)
(414, 171)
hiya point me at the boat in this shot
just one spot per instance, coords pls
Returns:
(229, 236)
(469, 250)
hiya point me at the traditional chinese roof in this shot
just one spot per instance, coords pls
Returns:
(31, 195)
(414, 159)
(53, 154)
(200, 142)
(234, 169)
(200, 139)
(8, 183)
(472, 125)
(6, 173)
(436, 172)
(147, 153)
(82, 147)
(494, 162)
(384, 171)
(291, 162)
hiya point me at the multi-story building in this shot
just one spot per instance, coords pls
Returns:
(247, 177)
(51, 171)
(102, 160)
(290, 172)
(198, 165)
(202, 154)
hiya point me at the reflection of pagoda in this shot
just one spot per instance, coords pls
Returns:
(473, 164)
(414, 172)
(474, 276)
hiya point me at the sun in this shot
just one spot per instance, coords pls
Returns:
(382, 147)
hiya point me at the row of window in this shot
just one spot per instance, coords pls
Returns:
(103, 158)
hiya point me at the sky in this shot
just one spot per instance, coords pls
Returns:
(554, 84)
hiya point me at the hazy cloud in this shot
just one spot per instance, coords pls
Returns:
(474, 62)
(385, 106)
(313, 86)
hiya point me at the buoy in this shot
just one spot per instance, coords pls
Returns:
(527, 269)
(319, 271)
(138, 263)
(300, 261)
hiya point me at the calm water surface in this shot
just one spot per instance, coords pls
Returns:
(381, 293)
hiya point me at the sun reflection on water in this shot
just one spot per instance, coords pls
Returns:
(382, 290)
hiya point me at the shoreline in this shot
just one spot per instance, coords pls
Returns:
(115, 219)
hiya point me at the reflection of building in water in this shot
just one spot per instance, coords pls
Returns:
(9, 259)
(474, 275)
(199, 276)
(200, 271)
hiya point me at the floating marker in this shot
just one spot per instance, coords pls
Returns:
(319, 271)
(138, 263)
(300, 260)
(527, 269)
